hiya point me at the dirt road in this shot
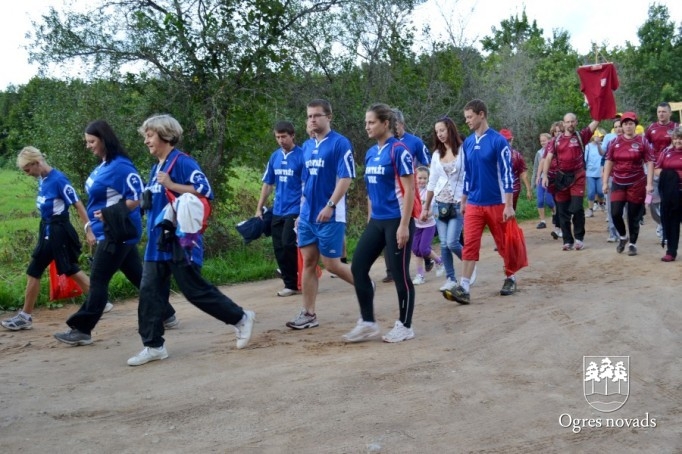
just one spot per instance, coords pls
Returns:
(504, 374)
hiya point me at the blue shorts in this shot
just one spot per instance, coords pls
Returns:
(328, 236)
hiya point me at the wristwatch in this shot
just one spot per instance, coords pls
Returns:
(331, 204)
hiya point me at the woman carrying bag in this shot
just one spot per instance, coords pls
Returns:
(446, 182)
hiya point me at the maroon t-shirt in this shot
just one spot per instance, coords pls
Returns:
(660, 136)
(518, 167)
(568, 151)
(671, 158)
(597, 82)
(628, 157)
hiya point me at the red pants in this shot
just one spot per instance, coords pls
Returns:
(476, 218)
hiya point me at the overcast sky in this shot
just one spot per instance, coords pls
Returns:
(604, 21)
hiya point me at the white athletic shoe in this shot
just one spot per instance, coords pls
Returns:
(363, 331)
(148, 354)
(399, 333)
(449, 285)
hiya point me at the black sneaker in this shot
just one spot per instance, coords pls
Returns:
(621, 245)
(632, 250)
(428, 264)
(387, 279)
(541, 225)
(554, 235)
(457, 294)
(73, 337)
(509, 287)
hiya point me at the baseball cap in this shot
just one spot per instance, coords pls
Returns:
(629, 116)
(507, 134)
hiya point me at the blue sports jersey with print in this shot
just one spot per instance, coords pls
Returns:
(381, 180)
(488, 168)
(284, 171)
(185, 171)
(326, 161)
(109, 183)
(55, 195)
(420, 153)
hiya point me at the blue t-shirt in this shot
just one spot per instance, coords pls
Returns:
(381, 180)
(107, 185)
(55, 195)
(592, 161)
(284, 171)
(185, 171)
(420, 153)
(488, 168)
(325, 162)
(605, 144)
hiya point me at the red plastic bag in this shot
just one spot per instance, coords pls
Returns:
(62, 286)
(318, 270)
(515, 253)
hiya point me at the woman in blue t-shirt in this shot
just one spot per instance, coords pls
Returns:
(175, 173)
(57, 239)
(389, 180)
(114, 190)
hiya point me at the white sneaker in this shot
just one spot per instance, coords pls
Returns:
(589, 213)
(244, 328)
(287, 292)
(595, 206)
(399, 333)
(363, 331)
(440, 270)
(449, 285)
(474, 275)
(108, 307)
(419, 279)
(148, 354)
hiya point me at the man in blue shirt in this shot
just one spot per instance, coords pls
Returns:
(329, 170)
(488, 196)
(283, 176)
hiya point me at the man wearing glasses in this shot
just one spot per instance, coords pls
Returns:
(329, 170)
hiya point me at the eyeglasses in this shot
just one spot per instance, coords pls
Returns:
(316, 116)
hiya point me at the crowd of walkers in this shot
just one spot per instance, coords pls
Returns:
(465, 185)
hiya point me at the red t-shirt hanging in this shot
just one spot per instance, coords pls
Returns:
(597, 82)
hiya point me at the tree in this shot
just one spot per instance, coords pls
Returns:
(649, 72)
(517, 73)
(592, 374)
(214, 56)
(620, 374)
(606, 372)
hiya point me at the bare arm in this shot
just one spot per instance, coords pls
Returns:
(265, 191)
(403, 233)
(608, 166)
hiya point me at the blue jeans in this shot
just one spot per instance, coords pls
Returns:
(449, 233)
(594, 188)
